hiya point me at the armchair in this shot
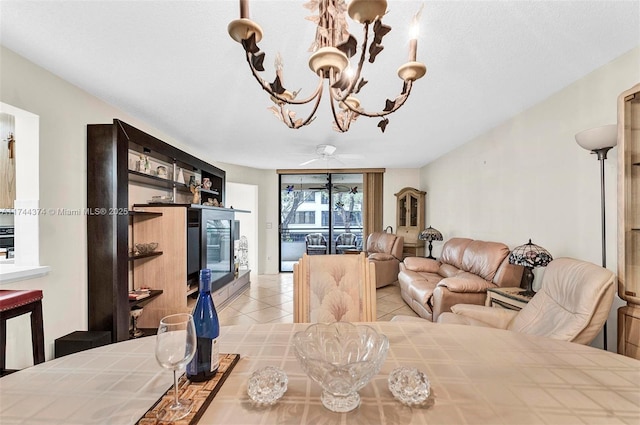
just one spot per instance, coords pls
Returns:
(572, 305)
(315, 244)
(346, 241)
(384, 250)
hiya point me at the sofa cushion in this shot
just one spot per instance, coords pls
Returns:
(447, 270)
(420, 264)
(453, 251)
(466, 282)
(483, 258)
(421, 291)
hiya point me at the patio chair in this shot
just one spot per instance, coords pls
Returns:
(346, 241)
(316, 244)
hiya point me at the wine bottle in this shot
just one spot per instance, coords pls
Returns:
(206, 361)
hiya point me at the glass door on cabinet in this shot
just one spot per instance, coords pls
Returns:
(413, 212)
(218, 248)
(402, 211)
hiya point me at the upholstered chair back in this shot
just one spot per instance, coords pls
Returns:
(346, 239)
(385, 243)
(334, 288)
(316, 239)
(573, 303)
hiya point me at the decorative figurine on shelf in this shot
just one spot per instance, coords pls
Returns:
(180, 176)
(135, 332)
(215, 202)
(11, 141)
(206, 183)
(145, 165)
(194, 187)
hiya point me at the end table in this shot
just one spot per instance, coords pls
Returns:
(510, 298)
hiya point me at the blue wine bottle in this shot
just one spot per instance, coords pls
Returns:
(206, 361)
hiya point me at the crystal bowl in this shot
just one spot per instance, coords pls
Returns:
(342, 358)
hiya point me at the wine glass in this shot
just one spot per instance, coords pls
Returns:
(175, 347)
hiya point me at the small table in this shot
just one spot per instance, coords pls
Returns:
(509, 298)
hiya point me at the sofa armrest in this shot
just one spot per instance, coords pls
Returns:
(469, 283)
(496, 317)
(443, 300)
(380, 256)
(420, 264)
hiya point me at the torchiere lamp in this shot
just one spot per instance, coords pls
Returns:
(430, 234)
(599, 141)
(529, 255)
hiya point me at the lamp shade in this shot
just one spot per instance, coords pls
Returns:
(430, 234)
(602, 137)
(530, 255)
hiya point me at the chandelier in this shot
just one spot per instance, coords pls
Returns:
(332, 49)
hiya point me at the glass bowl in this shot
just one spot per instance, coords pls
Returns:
(342, 358)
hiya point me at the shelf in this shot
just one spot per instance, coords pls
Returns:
(139, 256)
(148, 179)
(144, 213)
(154, 293)
(213, 192)
(192, 289)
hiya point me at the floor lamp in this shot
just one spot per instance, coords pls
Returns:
(599, 141)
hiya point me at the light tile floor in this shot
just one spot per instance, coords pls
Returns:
(269, 299)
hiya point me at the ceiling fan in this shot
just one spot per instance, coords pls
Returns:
(326, 152)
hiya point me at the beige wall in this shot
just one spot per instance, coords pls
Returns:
(527, 178)
(64, 112)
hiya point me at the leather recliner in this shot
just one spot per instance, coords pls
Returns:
(572, 305)
(384, 250)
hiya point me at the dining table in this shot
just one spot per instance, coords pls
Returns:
(477, 375)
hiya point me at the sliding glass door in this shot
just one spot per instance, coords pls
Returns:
(324, 209)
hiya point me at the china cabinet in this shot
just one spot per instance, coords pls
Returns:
(629, 221)
(410, 220)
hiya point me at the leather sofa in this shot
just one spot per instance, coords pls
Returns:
(384, 250)
(462, 275)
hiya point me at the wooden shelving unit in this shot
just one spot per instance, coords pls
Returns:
(110, 150)
(629, 221)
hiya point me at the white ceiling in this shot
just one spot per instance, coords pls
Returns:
(173, 65)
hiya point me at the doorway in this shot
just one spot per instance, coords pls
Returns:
(328, 204)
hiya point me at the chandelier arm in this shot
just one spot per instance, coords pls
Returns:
(356, 77)
(401, 101)
(332, 102)
(310, 117)
(266, 87)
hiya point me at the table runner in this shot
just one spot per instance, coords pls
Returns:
(200, 393)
